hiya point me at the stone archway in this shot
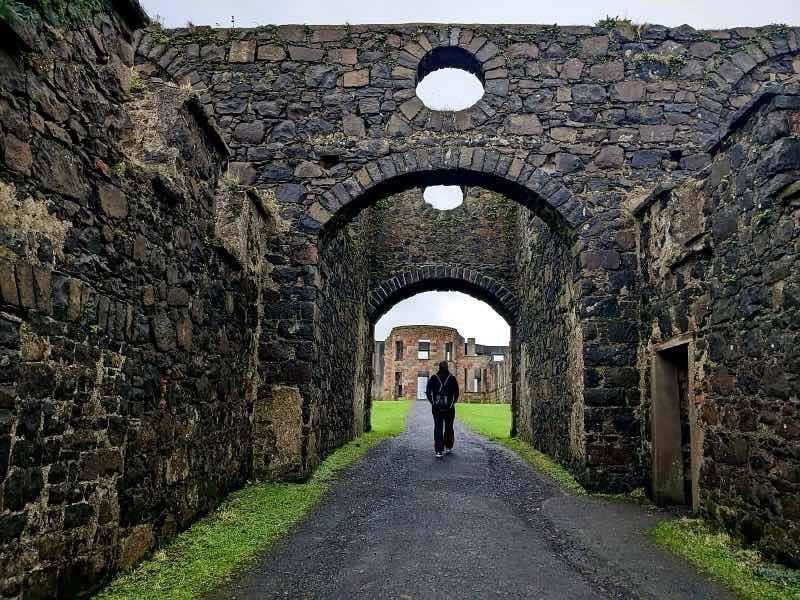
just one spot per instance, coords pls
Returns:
(403, 285)
(507, 174)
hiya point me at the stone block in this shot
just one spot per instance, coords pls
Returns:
(564, 134)
(112, 201)
(656, 133)
(610, 157)
(358, 78)
(353, 125)
(629, 91)
(343, 56)
(572, 69)
(249, 133)
(610, 71)
(27, 296)
(277, 415)
(134, 544)
(8, 284)
(304, 54)
(177, 296)
(271, 53)
(523, 125)
(163, 332)
(595, 46)
(588, 93)
(523, 49)
(18, 155)
(242, 51)
(308, 170)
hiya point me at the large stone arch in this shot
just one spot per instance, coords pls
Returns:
(427, 278)
(508, 174)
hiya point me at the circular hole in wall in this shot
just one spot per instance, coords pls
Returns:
(449, 78)
(450, 89)
(444, 197)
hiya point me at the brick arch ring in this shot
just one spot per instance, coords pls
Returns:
(508, 175)
(449, 278)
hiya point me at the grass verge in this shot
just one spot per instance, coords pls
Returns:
(716, 554)
(234, 534)
(494, 422)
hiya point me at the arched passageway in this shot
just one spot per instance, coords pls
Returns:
(512, 245)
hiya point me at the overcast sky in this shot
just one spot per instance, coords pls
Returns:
(471, 317)
(698, 13)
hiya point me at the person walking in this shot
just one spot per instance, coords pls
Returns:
(442, 393)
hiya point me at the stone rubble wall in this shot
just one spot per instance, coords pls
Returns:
(128, 329)
(719, 264)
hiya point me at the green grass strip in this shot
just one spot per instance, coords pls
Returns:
(494, 422)
(718, 555)
(240, 529)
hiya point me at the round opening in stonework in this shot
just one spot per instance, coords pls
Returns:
(449, 79)
(443, 197)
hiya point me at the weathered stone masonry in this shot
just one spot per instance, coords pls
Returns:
(718, 256)
(193, 254)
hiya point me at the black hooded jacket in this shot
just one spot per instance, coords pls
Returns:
(433, 386)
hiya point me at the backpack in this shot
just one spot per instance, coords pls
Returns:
(440, 399)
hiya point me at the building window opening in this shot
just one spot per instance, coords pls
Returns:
(449, 79)
(398, 350)
(398, 385)
(448, 351)
(424, 350)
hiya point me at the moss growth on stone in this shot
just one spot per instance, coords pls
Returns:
(612, 22)
(672, 62)
(56, 12)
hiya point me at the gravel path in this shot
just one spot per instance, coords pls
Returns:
(478, 524)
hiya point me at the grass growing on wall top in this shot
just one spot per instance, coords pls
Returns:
(237, 532)
(494, 421)
(718, 555)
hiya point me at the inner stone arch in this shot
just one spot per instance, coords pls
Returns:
(441, 278)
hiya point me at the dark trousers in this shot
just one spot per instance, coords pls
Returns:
(443, 434)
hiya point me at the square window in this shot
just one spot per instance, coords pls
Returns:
(424, 349)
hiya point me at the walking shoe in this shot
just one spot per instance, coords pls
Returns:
(448, 451)
(439, 455)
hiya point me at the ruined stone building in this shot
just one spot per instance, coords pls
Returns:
(199, 229)
(403, 363)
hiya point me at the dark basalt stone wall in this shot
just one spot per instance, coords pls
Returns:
(719, 262)
(126, 326)
(548, 345)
